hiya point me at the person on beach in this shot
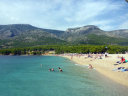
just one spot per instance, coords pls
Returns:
(122, 60)
(90, 66)
(100, 57)
(106, 54)
(60, 69)
(72, 57)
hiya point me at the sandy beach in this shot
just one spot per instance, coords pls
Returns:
(105, 66)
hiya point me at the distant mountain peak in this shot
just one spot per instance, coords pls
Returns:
(87, 26)
(91, 26)
(22, 25)
(17, 25)
(85, 29)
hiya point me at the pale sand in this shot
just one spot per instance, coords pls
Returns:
(105, 66)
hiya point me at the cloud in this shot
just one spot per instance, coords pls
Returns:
(61, 14)
(124, 22)
(124, 25)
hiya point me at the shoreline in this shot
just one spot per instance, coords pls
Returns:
(105, 66)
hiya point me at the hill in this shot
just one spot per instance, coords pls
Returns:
(93, 35)
(23, 35)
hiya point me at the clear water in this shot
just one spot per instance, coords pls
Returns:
(24, 76)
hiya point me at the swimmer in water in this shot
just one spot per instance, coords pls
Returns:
(90, 66)
(49, 69)
(60, 69)
(52, 69)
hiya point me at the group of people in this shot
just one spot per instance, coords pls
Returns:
(121, 69)
(96, 56)
(54, 70)
(123, 60)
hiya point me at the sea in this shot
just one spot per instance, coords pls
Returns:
(30, 76)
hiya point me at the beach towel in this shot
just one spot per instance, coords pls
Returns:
(126, 60)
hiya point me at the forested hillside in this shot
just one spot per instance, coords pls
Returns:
(25, 35)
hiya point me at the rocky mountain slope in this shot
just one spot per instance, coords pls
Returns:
(22, 35)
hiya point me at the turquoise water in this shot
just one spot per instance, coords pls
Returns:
(24, 76)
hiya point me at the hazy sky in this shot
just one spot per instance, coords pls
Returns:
(62, 14)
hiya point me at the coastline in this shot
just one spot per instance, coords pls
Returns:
(105, 66)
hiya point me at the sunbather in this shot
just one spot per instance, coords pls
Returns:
(122, 60)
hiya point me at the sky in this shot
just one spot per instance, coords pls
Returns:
(62, 14)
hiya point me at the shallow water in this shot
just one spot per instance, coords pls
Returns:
(24, 76)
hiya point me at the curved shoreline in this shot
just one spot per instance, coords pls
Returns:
(105, 66)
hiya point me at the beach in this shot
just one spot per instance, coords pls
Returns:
(105, 66)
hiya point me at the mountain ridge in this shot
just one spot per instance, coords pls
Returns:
(18, 35)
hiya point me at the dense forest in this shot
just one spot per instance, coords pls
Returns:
(59, 49)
